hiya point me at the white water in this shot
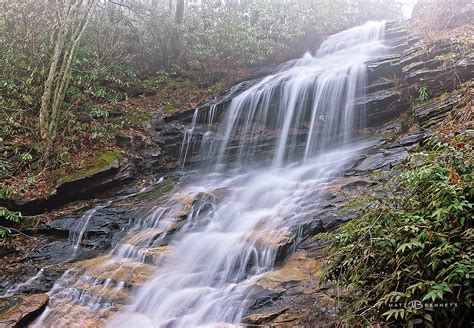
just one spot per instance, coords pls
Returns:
(241, 215)
(77, 234)
(13, 290)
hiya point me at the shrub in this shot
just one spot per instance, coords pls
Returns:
(412, 248)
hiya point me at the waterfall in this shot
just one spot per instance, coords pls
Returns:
(319, 91)
(202, 248)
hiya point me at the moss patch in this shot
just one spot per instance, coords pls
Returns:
(157, 192)
(136, 119)
(104, 159)
(169, 109)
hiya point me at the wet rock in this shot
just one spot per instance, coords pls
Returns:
(261, 318)
(379, 86)
(23, 310)
(382, 106)
(379, 160)
(132, 274)
(156, 255)
(289, 296)
(385, 66)
(99, 231)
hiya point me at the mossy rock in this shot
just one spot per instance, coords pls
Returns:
(136, 119)
(169, 109)
(103, 162)
(161, 190)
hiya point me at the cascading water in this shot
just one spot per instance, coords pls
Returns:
(318, 91)
(198, 253)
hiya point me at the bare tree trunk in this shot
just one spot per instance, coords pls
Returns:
(76, 15)
(179, 14)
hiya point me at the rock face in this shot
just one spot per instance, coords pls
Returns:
(110, 170)
(431, 112)
(292, 296)
(395, 81)
(21, 311)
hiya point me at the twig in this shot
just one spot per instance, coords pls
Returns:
(17, 231)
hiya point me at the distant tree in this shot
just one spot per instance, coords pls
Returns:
(75, 16)
(179, 14)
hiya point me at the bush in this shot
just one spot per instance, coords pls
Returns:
(412, 248)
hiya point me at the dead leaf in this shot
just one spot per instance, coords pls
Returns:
(454, 178)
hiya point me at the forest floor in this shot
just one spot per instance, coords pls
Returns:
(89, 133)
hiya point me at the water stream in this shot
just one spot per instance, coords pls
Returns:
(193, 257)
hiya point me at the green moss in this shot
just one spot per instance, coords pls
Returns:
(104, 159)
(157, 192)
(178, 83)
(169, 109)
(357, 202)
(136, 119)
(376, 176)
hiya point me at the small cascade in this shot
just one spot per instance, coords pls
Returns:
(12, 291)
(189, 144)
(77, 234)
(192, 257)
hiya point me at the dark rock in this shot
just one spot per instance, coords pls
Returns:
(379, 160)
(378, 101)
(380, 86)
(394, 127)
(129, 143)
(382, 106)
(410, 139)
(385, 66)
(432, 111)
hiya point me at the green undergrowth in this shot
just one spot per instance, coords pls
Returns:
(407, 260)
(103, 161)
(157, 192)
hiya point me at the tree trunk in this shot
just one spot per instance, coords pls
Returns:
(179, 14)
(76, 15)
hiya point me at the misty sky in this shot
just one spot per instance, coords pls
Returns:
(408, 7)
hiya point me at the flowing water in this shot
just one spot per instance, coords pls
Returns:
(193, 257)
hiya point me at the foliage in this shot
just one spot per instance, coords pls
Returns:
(413, 246)
(6, 214)
(6, 193)
(422, 94)
(219, 36)
(130, 49)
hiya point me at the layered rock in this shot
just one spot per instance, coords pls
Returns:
(110, 170)
(20, 311)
